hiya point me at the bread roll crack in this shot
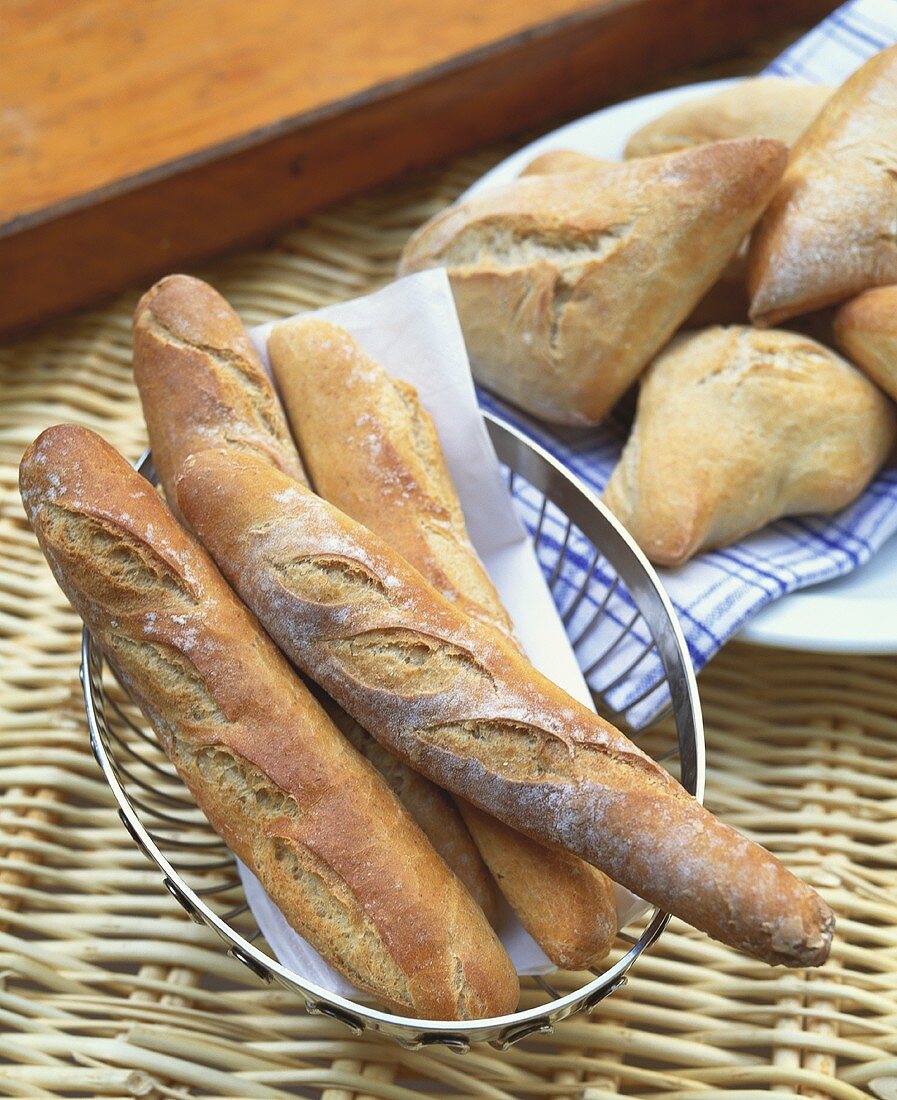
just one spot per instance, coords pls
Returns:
(526, 243)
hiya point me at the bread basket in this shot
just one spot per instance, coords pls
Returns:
(618, 595)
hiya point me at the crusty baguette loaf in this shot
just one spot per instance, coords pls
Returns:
(456, 700)
(345, 863)
(567, 285)
(829, 232)
(373, 452)
(739, 426)
(865, 330)
(764, 106)
(201, 384)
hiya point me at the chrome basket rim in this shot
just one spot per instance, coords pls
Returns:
(526, 458)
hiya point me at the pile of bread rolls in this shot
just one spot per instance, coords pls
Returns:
(308, 630)
(582, 277)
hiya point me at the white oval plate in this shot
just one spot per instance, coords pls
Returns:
(856, 613)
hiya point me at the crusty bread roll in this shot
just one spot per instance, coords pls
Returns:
(725, 303)
(459, 703)
(739, 426)
(567, 285)
(866, 331)
(344, 862)
(201, 384)
(829, 233)
(764, 106)
(372, 451)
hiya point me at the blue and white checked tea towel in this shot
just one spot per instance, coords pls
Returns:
(715, 594)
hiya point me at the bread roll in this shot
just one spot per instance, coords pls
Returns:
(829, 233)
(372, 451)
(459, 703)
(738, 426)
(330, 843)
(567, 285)
(866, 331)
(725, 303)
(764, 106)
(201, 384)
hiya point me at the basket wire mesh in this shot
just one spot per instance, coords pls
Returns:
(634, 658)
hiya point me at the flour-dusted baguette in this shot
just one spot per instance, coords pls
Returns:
(372, 451)
(460, 704)
(201, 384)
(345, 863)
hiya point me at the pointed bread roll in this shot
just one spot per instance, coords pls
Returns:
(725, 303)
(764, 106)
(831, 230)
(738, 426)
(866, 331)
(373, 451)
(567, 285)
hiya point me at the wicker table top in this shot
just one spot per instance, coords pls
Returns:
(106, 989)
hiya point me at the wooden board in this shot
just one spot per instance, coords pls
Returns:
(140, 137)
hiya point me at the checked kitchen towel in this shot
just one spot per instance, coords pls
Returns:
(715, 594)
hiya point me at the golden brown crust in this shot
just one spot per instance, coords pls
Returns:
(200, 381)
(866, 331)
(457, 702)
(829, 232)
(562, 160)
(765, 106)
(738, 426)
(431, 808)
(372, 451)
(566, 285)
(345, 863)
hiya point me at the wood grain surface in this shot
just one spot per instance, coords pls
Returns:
(138, 137)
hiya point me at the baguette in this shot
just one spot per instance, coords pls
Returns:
(372, 451)
(330, 843)
(457, 702)
(201, 384)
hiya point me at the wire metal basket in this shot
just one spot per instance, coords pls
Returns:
(635, 660)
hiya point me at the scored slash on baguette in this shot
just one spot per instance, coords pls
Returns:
(460, 704)
(330, 843)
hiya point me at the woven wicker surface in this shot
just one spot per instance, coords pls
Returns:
(106, 989)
